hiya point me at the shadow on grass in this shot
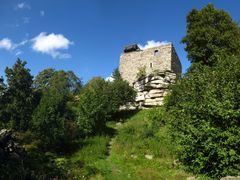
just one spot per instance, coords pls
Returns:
(109, 131)
(123, 115)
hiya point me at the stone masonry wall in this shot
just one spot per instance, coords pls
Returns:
(163, 67)
(157, 58)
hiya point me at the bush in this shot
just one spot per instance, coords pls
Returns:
(204, 113)
(93, 107)
(141, 72)
(99, 101)
(157, 117)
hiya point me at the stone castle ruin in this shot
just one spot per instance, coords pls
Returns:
(150, 72)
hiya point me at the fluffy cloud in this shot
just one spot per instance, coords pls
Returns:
(22, 5)
(6, 43)
(152, 43)
(51, 44)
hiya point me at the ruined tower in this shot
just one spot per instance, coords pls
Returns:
(161, 67)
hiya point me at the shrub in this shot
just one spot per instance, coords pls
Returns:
(204, 113)
(141, 72)
(157, 117)
(93, 107)
(99, 101)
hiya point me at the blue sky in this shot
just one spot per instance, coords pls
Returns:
(88, 36)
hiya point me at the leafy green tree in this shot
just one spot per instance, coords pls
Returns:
(53, 119)
(3, 103)
(204, 111)
(100, 100)
(120, 94)
(49, 117)
(63, 81)
(93, 107)
(116, 75)
(66, 82)
(42, 79)
(210, 32)
(20, 95)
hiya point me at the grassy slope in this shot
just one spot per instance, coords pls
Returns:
(123, 156)
(133, 141)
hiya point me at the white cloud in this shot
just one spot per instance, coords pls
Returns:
(110, 78)
(51, 44)
(42, 13)
(6, 43)
(22, 43)
(22, 5)
(152, 43)
(18, 53)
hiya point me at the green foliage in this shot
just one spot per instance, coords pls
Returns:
(99, 101)
(53, 119)
(157, 116)
(210, 32)
(116, 75)
(141, 72)
(93, 107)
(19, 94)
(48, 118)
(28, 163)
(120, 93)
(156, 72)
(3, 103)
(67, 82)
(41, 81)
(204, 112)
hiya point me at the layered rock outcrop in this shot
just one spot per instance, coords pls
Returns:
(152, 89)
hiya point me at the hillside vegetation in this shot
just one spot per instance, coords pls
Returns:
(62, 129)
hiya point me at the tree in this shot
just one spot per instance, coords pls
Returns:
(120, 94)
(49, 117)
(204, 111)
(100, 100)
(210, 32)
(3, 103)
(93, 108)
(20, 95)
(63, 81)
(116, 75)
(41, 81)
(66, 82)
(53, 119)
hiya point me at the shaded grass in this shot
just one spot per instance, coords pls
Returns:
(83, 163)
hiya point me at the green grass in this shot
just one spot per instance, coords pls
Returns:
(133, 141)
(84, 163)
(121, 155)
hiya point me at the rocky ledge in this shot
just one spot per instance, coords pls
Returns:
(152, 89)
